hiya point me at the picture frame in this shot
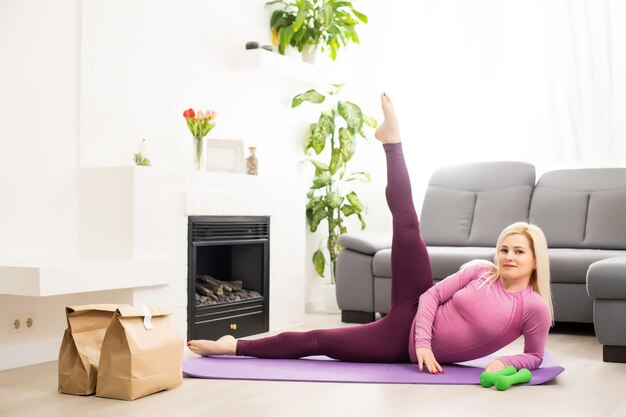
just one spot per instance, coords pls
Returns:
(225, 155)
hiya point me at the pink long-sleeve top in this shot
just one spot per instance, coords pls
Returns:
(463, 318)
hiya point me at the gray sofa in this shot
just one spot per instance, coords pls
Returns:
(581, 211)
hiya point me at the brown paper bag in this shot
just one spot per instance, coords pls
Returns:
(80, 349)
(142, 353)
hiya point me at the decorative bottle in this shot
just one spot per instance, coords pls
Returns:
(252, 163)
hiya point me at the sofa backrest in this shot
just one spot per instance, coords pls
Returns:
(470, 204)
(581, 208)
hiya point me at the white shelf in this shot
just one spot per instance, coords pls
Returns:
(288, 68)
(56, 278)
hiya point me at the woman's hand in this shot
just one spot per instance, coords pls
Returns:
(426, 357)
(494, 366)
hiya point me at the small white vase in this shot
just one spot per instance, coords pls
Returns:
(292, 52)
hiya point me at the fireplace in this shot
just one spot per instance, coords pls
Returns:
(228, 276)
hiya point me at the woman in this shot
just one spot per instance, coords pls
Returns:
(468, 315)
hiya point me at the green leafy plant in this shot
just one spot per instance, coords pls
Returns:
(324, 23)
(140, 159)
(333, 138)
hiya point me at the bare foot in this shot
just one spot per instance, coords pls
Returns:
(389, 130)
(225, 345)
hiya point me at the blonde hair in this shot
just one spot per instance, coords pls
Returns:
(540, 277)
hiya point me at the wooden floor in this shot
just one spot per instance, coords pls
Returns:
(588, 387)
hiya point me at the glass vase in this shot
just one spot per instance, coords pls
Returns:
(199, 157)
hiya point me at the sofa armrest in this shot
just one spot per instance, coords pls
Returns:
(607, 278)
(366, 243)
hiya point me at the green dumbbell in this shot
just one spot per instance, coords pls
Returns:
(503, 382)
(487, 379)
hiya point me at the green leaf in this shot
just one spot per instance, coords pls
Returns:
(319, 165)
(352, 114)
(313, 200)
(316, 218)
(336, 89)
(318, 138)
(319, 262)
(299, 19)
(370, 121)
(360, 176)
(333, 200)
(335, 161)
(326, 123)
(360, 16)
(308, 144)
(311, 96)
(354, 200)
(321, 181)
(284, 38)
(363, 224)
(347, 145)
(347, 210)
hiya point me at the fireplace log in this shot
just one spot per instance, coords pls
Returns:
(210, 284)
(227, 286)
(203, 290)
(236, 285)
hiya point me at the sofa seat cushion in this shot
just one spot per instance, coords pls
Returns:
(571, 265)
(444, 260)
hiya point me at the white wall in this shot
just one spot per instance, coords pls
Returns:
(39, 128)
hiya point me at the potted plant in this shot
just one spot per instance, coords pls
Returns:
(333, 138)
(309, 24)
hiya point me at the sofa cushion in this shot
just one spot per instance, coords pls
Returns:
(447, 260)
(444, 260)
(447, 216)
(571, 265)
(606, 220)
(497, 209)
(581, 208)
(561, 215)
(470, 204)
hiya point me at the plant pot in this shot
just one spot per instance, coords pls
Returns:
(292, 52)
(310, 54)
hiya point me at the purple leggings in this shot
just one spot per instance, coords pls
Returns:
(385, 340)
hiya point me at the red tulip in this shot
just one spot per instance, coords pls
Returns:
(189, 114)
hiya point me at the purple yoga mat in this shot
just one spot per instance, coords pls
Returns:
(323, 369)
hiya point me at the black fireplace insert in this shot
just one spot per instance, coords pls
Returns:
(228, 276)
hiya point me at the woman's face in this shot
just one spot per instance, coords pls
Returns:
(516, 260)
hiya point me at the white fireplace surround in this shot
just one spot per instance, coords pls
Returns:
(133, 234)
